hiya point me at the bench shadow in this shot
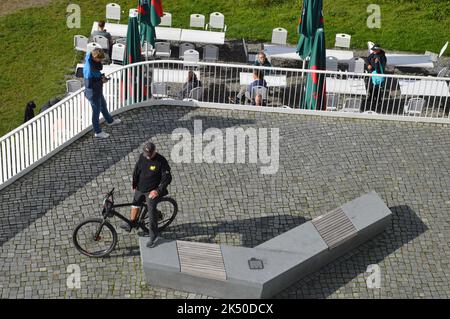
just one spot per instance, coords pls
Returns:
(63, 175)
(405, 227)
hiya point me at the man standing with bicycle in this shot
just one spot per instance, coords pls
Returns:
(151, 176)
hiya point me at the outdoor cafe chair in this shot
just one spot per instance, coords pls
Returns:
(196, 94)
(352, 105)
(159, 90)
(210, 53)
(118, 53)
(184, 47)
(216, 21)
(332, 102)
(113, 12)
(331, 63)
(102, 41)
(197, 21)
(342, 41)
(162, 49)
(80, 42)
(73, 86)
(147, 50)
(279, 36)
(92, 46)
(191, 56)
(166, 20)
(414, 106)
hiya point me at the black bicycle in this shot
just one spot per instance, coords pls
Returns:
(96, 237)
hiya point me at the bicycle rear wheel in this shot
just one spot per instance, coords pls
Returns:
(95, 237)
(167, 209)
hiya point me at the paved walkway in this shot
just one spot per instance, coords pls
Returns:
(324, 162)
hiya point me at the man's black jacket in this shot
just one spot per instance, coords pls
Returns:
(151, 174)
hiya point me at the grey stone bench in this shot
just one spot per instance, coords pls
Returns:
(263, 271)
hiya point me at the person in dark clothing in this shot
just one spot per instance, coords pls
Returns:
(151, 176)
(262, 60)
(191, 83)
(29, 111)
(246, 91)
(376, 61)
(49, 104)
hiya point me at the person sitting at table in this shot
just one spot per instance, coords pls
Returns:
(258, 80)
(102, 31)
(191, 83)
(262, 60)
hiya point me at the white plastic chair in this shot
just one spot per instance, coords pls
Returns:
(332, 63)
(73, 86)
(210, 53)
(118, 52)
(442, 73)
(343, 40)
(352, 105)
(92, 46)
(279, 36)
(147, 50)
(196, 94)
(191, 56)
(216, 21)
(332, 102)
(162, 49)
(414, 106)
(113, 12)
(184, 47)
(197, 21)
(159, 90)
(80, 43)
(356, 65)
(166, 20)
(370, 45)
(259, 89)
(102, 41)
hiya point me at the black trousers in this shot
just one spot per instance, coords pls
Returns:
(138, 199)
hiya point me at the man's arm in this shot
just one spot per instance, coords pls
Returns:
(166, 178)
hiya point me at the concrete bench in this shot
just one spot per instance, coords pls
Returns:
(263, 271)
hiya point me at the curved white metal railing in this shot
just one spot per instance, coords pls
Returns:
(35, 141)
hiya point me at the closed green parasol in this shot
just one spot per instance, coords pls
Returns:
(310, 21)
(315, 95)
(150, 13)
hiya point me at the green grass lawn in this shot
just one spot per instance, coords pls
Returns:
(36, 47)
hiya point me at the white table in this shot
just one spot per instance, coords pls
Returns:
(115, 29)
(290, 53)
(168, 34)
(424, 88)
(201, 36)
(120, 30)
(172, 76)
(349, 86)
(410, 60)
(246, 78)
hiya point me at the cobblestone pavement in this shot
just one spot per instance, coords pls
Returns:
(324, 162)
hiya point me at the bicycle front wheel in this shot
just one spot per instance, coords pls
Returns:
(95, 237)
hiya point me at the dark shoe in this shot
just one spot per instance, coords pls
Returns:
(127, 227)
(152, 243)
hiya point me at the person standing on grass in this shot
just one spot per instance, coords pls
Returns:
(93, 83)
